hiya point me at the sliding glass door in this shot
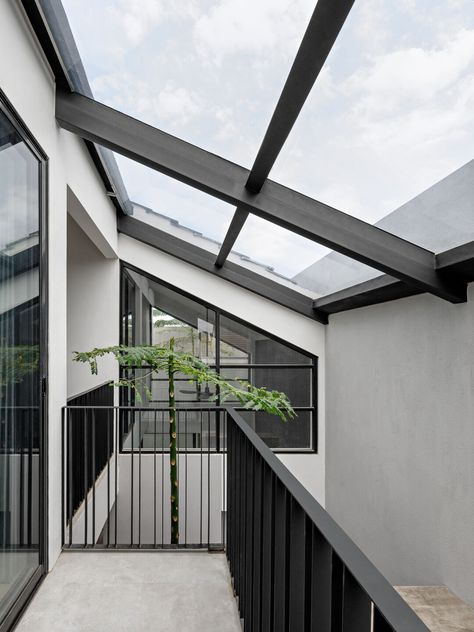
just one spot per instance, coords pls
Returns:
(21, 365)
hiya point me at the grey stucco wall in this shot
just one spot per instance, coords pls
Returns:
(400, 437)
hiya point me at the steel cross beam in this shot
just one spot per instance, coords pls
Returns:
(325, 25)
(226, 181)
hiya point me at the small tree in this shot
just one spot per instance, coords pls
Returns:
(156, 358)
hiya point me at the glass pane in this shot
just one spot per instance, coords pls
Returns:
(299, 263)
(389, 117)
(291, 435)
(297, 384)
(175, 208)
(209, 73)
(19, 364)
(239, 344)
(167, 314)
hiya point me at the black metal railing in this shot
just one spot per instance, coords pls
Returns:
(122, 500)
(292, 566)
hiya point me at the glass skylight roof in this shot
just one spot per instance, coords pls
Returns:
(391, 115)
(207, 71)
(311, 268)
(171, 205)
(392, 111)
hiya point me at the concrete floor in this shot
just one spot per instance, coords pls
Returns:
(438, 608)
(98, 592)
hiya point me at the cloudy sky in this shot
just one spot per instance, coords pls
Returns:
(391, 113)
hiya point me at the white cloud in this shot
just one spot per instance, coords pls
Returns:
(137, 17)
(403, 78)
(233, 27)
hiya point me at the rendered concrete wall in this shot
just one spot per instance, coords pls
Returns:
(93, 298)
(280, 321)
(400, 437)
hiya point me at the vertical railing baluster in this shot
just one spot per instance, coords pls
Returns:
(280, 578)
(163, 479)
(242, 520)
(208, 479)
(154, 479)
(93, 464)
(268, 527)
(109, 452)
(117, 446)
(200, 486)
(337, 594)
(297, 569)
(357, 607)
(321, 583)
(63, 499)
(140, 415)
(132, 432)
(30, 484)
(70, 474)
(86, 489)
(224, 477)
(249, 525)
(186, 478)
(257, 543)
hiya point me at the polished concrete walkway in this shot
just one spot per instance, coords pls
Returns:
(98, 592)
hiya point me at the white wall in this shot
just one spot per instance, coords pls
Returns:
(27, 83)
(93, 296)
(400, 437)
(280, 321)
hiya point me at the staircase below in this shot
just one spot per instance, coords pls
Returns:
(438, 608)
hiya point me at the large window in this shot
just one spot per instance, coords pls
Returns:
(154, 312)
(21, 364)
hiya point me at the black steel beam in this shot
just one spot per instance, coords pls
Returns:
(326, 22)
(236, 225)
(379, 290)
(324, 27)
(457, 261)
(226, 181)
(232, 272)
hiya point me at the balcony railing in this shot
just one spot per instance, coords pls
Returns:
(116, 484)
(293, 568)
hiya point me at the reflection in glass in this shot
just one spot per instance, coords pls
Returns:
(19, 364)
(240, 344)
(236, 350)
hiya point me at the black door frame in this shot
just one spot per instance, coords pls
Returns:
(25, 595)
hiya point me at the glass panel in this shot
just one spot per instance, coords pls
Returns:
(19, 364)
(174, 207)
(240, 344)
(389, 117)
(292, 435)
(298, 263)
(208, 72)
(166, 314)
(297, 384)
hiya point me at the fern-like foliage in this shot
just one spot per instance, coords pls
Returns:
(156, 358)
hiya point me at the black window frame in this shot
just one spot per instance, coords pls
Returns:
(313, 364)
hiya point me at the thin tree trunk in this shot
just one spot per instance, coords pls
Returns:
(174, 498)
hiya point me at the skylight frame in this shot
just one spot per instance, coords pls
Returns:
(415, 269)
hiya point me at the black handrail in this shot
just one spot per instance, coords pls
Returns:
(293, 567)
